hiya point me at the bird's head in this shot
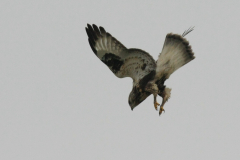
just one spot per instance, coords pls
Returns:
(136, 97)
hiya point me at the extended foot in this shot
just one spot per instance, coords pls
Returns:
(156, 105)
(161, 110)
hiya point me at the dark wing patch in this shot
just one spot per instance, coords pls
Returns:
(112, 61)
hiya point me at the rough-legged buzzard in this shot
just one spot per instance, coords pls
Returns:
(148, 75)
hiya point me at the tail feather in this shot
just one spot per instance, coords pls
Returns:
(176, 52)
(187, 31)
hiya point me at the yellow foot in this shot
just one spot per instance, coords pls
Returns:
(161, 110)
(156, 105)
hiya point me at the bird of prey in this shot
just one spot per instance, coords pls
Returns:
(148, 75)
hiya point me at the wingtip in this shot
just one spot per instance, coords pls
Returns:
(102, 30)
(90, 28)
(89, 25)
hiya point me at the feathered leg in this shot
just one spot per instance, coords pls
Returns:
(152, 88)
(165, 96)
(156, 104)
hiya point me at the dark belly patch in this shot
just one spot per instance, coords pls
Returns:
(143, 82)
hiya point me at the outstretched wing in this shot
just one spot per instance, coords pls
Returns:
(102, 42)
(121, 61)
(176, 52)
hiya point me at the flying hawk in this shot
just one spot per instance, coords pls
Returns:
(148, 75)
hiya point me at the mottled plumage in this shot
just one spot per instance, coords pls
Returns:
(147, 74)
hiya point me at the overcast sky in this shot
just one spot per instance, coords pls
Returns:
(59, 101)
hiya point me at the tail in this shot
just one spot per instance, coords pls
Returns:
(176, 52)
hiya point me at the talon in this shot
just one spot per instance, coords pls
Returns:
(156, 105)
(161, 110)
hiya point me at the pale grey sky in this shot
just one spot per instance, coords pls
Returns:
(59, 101)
